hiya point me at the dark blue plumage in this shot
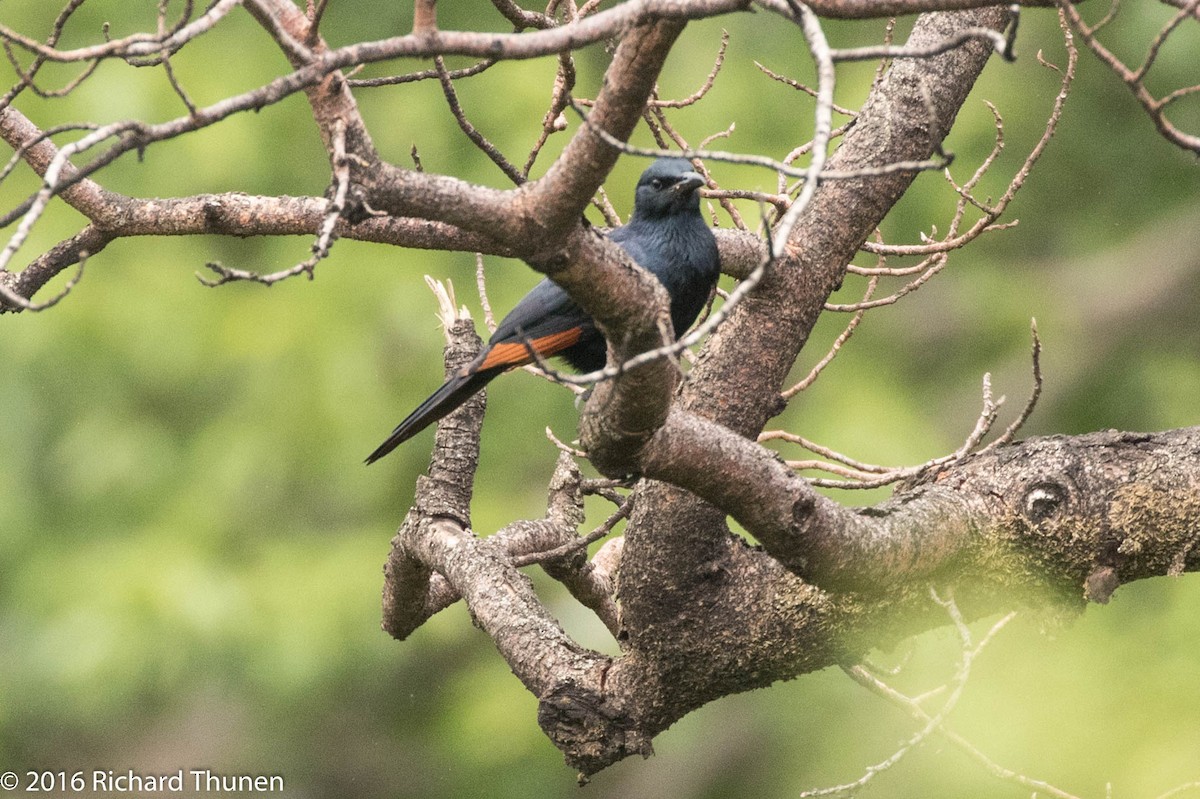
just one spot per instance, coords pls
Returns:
(666, 235)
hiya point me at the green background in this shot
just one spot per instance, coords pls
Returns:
(190, 548)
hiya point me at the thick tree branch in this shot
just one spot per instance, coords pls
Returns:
(443, 493)
(815, 537)
(1047, 520)
(874, 9)
(540, 654)
(537, 217)
(571, 182)
(17, 289)
(677, 548)
(906, 116)
(114, 215)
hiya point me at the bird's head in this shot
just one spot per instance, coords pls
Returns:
(667, 187)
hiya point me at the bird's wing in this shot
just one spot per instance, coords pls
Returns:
(546, 320)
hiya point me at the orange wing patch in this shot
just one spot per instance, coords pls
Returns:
(511, 354)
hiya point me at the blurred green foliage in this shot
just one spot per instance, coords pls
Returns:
(190, 550)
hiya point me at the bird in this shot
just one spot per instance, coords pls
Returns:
(665, 234)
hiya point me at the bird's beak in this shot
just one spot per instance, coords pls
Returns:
(688, 181)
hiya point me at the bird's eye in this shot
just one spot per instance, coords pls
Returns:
(657, 183)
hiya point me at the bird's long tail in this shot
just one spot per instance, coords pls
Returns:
(453, 393)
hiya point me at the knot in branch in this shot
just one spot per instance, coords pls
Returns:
(1044, 499)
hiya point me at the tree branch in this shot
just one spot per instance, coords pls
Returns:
(1049, 520)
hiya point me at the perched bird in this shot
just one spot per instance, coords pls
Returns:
(666, 235)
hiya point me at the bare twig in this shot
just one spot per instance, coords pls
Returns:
(571, 547)
(996, 210)
(165, 57)
(425, 74)
(1178, 789)
(804, 87)
(138, 44)
(522, 19)
(836, 347)
(27, 76)
(930, 723)
(936, 723)
(1135, 78)
(477, 138)
(930, 267)
(553, 121)
(481, 285)
(707, 85)
(9, 299)
(746, 159)
(316, 12)
(999, 42)
(860, 475)
(1034, 394)
(562, 446)
(293, 48)
(325, 235)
